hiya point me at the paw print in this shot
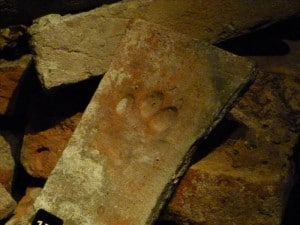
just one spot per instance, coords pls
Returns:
(152, 111)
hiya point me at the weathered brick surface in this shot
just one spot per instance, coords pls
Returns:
(246, 180)
(41, 149)
(7, 204)
(73, 48)
(163, 91)
(11, 73)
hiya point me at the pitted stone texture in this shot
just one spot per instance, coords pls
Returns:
(163, 91)
(95, 46)
(7, 203)
(245, 181)
(11, 73)
(7, 164)
(75, 47)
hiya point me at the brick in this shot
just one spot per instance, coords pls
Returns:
(7, 204)
(163, 91)
(41, 149)
(246, 180)
(11, 73)
(74, 47)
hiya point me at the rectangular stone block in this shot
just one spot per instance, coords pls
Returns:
(7, 203)
(74, 47)
(162, 92)
(246, 180)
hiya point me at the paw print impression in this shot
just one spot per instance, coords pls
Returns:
(154, 112)
(151, 110)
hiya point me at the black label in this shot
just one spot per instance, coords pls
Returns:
(42, 217)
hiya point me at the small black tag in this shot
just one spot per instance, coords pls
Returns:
(42, 217)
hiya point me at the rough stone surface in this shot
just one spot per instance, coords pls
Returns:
(163, 91)
(74, 47)
(7, 163)
(24, 210)
(11, 73)
(246, 180)
(96, 44)
(42, 149)
(7, 204)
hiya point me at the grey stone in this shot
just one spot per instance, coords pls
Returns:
(74, 47)
(163, 91)
(58, 62)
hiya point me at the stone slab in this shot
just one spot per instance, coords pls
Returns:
(246, 180)
(163, 91)
(7, 203)
(74, 47)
